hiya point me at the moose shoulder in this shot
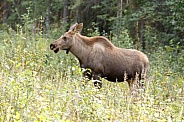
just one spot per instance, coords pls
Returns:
(103, 58)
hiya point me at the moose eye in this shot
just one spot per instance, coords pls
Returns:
(64, 38)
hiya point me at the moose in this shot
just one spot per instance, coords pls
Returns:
(103, 58)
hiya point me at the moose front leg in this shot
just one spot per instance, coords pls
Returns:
(87, 74)
(97, 81)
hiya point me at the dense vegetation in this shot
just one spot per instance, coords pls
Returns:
(38, 85)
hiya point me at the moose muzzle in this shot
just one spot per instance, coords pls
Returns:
(54, 48)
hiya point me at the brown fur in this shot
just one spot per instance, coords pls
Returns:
(97, 39)
(102, 57)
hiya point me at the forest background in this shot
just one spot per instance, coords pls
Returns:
(38, 85)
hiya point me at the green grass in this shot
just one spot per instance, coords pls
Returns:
(38, 85)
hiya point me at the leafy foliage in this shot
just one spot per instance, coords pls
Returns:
(37, 85)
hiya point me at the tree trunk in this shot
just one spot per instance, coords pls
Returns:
(120, 9)
(4, 10)
(79, 13)
(47, 19)
(137, 30)
(66, 12)
(143, 44)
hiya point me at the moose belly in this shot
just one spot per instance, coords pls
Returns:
(119, 77)
(114, 79)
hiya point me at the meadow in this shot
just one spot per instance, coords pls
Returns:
(37, 85)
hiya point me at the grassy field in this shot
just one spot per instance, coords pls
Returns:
(37, 85)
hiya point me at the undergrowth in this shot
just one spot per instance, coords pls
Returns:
(38, 85)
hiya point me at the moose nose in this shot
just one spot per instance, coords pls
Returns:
(52, 46)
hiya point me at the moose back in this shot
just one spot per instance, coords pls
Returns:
(103, 58)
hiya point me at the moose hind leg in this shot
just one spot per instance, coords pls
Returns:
(136, 89)
(132, 85)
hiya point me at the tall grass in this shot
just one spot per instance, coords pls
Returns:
(38, 85)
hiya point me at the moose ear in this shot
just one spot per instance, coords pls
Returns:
(73, 26)
(78, 28)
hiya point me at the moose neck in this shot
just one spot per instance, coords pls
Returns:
(80, 49)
